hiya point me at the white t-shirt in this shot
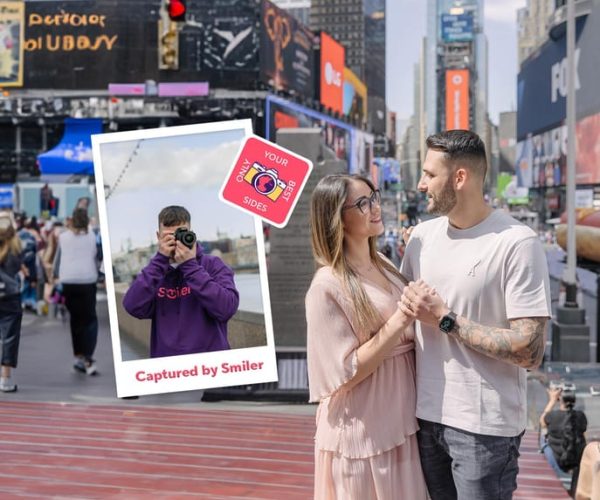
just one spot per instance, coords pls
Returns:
(489, 273)
(77, 258)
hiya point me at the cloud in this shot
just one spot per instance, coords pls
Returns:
(502, 11)
(160, 165)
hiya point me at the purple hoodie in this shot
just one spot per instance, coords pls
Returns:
(189, 305)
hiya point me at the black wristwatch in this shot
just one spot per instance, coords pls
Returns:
(448, 322)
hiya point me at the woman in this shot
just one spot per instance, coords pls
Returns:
(11, 311)
(78, 273)
(360, 352)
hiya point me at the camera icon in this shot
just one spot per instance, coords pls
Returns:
(265, 182)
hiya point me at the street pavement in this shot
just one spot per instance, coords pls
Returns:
(45, 371)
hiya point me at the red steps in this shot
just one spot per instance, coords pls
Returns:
(89, 451)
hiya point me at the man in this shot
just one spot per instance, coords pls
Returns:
(480, 291)
(188, 295)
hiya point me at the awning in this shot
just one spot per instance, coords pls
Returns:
(73, 154)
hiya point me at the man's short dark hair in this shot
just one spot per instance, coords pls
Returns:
(460, 145)
(173, 215)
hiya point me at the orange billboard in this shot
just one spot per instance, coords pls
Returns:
(332, 73)
(457, 99)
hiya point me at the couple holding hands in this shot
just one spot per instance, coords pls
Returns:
(420, 374)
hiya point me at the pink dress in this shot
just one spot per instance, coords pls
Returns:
(365, 443)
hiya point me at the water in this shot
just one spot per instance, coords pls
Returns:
(248, 285)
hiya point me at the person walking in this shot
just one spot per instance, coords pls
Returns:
(480, 292)
(77, 269)
(11, 311)
(360, 352)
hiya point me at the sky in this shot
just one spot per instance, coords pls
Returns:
(183, 170)
(406, 27)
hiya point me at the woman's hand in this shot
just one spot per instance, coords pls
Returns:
(554, 394)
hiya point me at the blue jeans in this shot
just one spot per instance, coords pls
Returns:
(462, 465)
(549, 454)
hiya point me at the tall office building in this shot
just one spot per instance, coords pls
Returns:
(532, 21)
(359, 25)
(456, 67)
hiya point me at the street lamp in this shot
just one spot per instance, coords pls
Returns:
(570, 334)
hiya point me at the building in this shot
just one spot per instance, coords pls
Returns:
(359, 25)
(532, 21)
(507, 141)
(541, 130)
(455, 62)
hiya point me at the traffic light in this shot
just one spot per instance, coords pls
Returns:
(176, 10)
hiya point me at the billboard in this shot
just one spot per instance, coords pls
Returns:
(542, 82)
(231, 44)
(332, 73)
(11, 43)
(457, 28)
(81, 44)
(346, 142)
(457, 99)
(355, 96)
(286, 51)
(542, 158)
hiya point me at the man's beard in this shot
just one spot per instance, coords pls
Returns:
(443, 203)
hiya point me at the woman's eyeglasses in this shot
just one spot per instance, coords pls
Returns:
(365, 204)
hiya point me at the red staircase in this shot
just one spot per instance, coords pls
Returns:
(89, 451)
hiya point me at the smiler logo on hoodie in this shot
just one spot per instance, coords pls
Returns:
(173, 293)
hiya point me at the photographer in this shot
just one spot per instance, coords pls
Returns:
(562, 433)
(188, 295)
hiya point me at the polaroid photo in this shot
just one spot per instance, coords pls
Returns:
(185, 273)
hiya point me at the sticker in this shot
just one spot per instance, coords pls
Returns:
(266, 180)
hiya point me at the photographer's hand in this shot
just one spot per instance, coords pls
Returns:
(183, 253)
(167, 245)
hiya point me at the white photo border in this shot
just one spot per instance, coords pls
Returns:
(196, 371)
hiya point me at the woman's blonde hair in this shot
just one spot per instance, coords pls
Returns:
(327, 238)
(9, 240)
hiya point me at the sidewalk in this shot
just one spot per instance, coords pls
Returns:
(45, 371)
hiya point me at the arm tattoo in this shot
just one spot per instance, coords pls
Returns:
(521, 345)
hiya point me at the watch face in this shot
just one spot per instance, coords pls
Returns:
(446, 324)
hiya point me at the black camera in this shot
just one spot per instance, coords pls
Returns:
(188, 238)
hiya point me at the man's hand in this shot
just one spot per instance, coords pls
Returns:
(167, 245)
(422, 302)
(406, 232)
(183, 253)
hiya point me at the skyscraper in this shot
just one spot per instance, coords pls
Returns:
(456, 73)
(359, 25)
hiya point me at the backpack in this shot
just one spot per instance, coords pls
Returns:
(573, 443)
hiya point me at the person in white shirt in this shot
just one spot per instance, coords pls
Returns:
(78, 274)
(480, 292)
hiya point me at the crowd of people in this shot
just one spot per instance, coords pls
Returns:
(44, 265)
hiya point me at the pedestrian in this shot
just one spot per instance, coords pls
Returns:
(30, 243)
(562, 438)
(77, 269)
(11, 311)
(190, 296)
(360, 350)
(480, 292)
